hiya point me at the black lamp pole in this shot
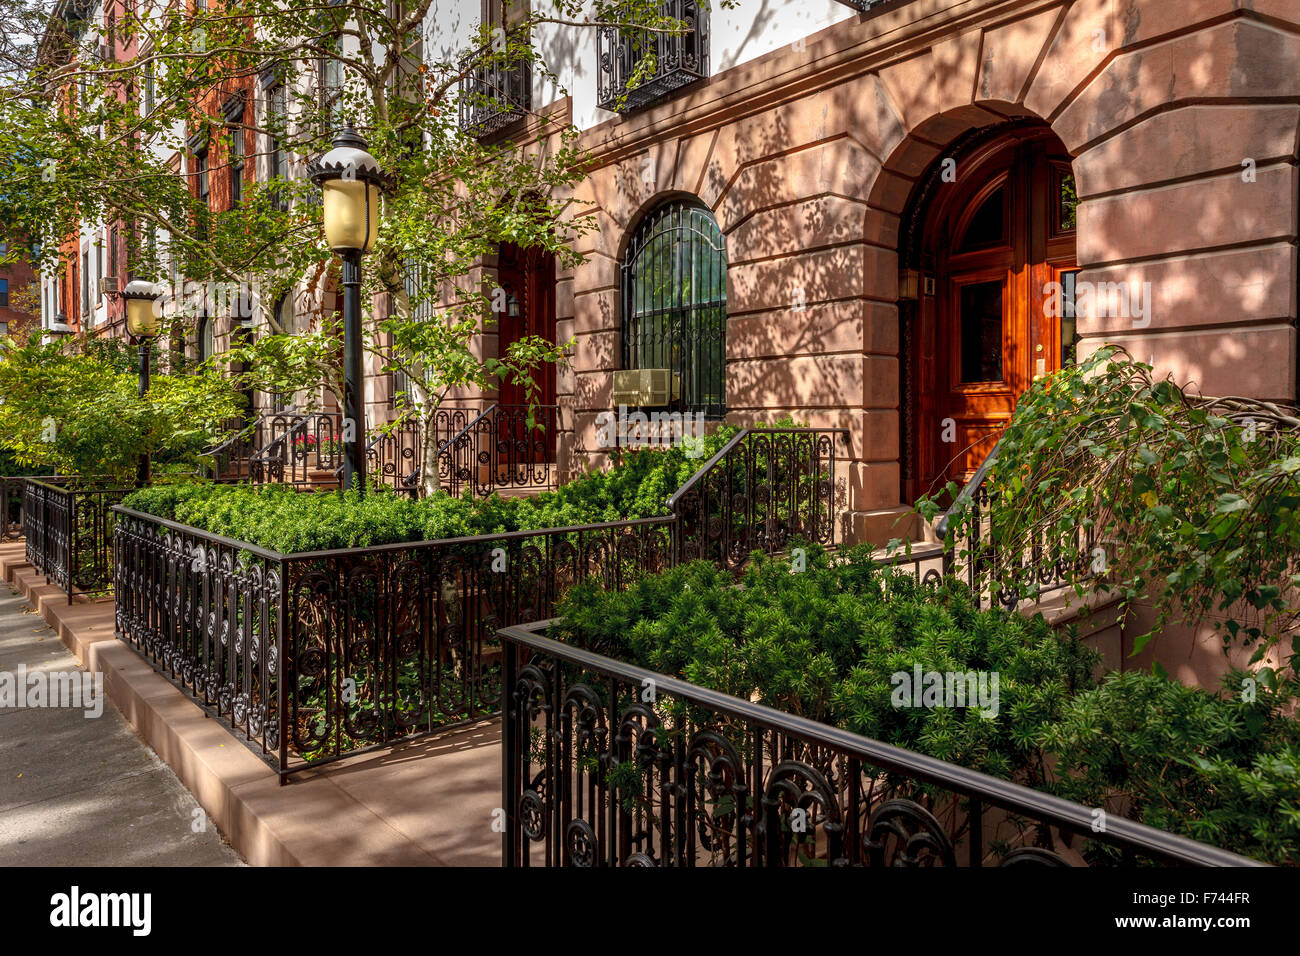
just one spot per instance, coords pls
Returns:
(140, 299)
(354, 456)
(142, 470)
(348, 175)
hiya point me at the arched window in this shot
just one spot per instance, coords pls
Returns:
(675, 303)
(207, 345)
(286, 317)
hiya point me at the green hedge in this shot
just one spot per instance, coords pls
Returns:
(283, 519)
(825, 643)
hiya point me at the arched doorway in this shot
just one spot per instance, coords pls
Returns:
(988, 239)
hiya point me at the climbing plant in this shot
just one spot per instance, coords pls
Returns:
(1190, 500)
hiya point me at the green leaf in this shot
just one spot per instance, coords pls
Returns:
(1230, 502)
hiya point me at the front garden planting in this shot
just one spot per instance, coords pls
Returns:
(840, 643)
(321, 623)
(280, 518)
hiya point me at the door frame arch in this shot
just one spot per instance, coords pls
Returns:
(1024, 154)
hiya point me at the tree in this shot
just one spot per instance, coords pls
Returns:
(84, 139)
(72, 407)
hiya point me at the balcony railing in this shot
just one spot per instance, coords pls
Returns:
(638, 67)
(494, 95)
(608, 764)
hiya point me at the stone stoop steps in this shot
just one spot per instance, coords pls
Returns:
(426, 803)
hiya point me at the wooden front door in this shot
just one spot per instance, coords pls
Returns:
(998, 237)
(528, 278)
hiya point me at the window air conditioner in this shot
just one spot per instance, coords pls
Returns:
(646, 387)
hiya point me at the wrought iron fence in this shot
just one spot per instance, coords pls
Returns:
(1048, 563)
(504, 447)
(393, 455)
(607, 764)
(657, 63)
(494, 95)
(764, 489)
(320, 655)
(315, 656)
(69, 532)
(11, 501)
(299, 448)
(229, 459)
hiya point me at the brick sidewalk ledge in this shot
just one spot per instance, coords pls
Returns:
(427, 803)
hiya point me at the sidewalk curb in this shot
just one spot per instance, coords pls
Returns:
(311, 821)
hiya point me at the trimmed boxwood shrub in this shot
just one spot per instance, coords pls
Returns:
(1222, 768)
(824, 643)
(286, 520)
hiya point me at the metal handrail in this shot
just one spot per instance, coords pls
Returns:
(727, 448)
(275, 450)
(451, 442)
(968, 493)
(703, 469)
(265, 454)
(1017, 798)
(381, 434)
(243, 433)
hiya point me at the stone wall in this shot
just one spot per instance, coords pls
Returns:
(809, 156)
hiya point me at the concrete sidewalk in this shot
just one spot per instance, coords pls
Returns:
(86, 791)
(431, 802)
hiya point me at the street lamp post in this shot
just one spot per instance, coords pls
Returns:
(349, 178)
(142, 324)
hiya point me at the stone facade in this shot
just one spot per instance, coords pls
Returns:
(1182, 125)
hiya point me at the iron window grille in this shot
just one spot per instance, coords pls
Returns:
(675, 304)
(201, 163)
(494, 95)
(415, 277)
(277, 110)
(674, 59)
(330, 84)
(206, 339)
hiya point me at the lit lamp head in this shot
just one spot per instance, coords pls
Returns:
(141, 316)
(349, 178)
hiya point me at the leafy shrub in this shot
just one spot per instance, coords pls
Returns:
(286, 520)
(825, 643)
(79, 412)
(1218, 768)
(1198, 496)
